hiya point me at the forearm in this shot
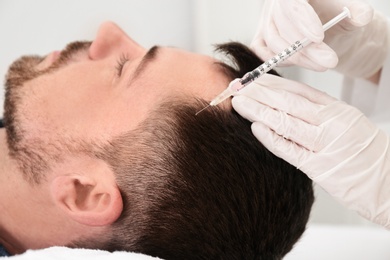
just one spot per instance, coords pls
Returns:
(371, 97)
(376, 77)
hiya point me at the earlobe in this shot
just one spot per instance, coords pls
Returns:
(87, 200)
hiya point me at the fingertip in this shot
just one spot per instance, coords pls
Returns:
(313, 32)
(323, 56)
(310, 24)
(243, 106)
(276, 144)
(261, 132)
(238, 100)
(259, 127)
(361, 13)
(271, 141)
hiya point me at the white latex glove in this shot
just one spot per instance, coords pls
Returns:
(332, 142)
(358, 46)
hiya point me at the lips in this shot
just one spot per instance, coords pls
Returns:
(49, 60)
(54, 56)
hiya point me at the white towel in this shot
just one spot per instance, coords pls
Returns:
(65, 253)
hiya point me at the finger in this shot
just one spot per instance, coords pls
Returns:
(281, 147)
(259, 47)
(317, 57)
(290, 127)
(272, 82)
(261, 99)
(319, 54)
(269, 41)
(297, 20)
(361, 14)
(276, 43)
(294, 21)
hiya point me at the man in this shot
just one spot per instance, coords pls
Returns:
(102, 149)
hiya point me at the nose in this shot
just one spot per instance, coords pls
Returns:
(111, 39)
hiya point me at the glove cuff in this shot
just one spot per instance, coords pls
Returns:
(361, 182)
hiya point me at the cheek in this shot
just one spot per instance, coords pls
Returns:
(87, 110)
(51, 105)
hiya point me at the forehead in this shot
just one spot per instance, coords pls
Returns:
(186, 73)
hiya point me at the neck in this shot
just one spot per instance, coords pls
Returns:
(9, 186)
(25, 209)
(29, 217)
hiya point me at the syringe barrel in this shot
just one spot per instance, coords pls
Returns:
(250, 76)
(272, 63)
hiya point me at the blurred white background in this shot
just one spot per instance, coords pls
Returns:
(41, 26)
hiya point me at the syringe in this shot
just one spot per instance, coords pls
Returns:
(249, 77)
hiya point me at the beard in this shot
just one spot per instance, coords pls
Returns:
(33, 154)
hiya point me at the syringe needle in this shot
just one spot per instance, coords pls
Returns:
(197, 113)
(233, 87)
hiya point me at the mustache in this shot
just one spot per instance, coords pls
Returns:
(24, 68)
(69, 52)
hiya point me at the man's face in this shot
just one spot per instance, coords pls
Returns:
(93, 91)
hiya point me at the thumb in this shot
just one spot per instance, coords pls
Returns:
(361, 14)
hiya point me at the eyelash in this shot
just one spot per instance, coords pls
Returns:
(121, 63)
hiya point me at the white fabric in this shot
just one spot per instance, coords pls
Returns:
(64, 253)
(359, 42)
(319, 242)
(329, 140)
(332, 242)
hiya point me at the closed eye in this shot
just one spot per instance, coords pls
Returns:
(121, 63)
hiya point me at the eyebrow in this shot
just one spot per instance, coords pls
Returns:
(148, 58)
(226, 69)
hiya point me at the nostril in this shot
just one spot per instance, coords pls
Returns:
(108, 36)
(111, 39)
(93, 51)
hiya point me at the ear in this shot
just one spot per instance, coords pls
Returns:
(90, 197)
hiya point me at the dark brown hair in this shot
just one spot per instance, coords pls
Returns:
(203, 187)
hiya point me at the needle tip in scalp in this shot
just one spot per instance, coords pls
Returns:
(197, 113)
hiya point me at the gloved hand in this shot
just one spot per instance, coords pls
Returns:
(332, 142)
(361, 43)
